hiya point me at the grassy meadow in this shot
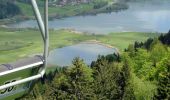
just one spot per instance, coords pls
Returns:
(56, 11)
(19, 43)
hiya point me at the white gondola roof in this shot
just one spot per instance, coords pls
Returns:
(21, 63)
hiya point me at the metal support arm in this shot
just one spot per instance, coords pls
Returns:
(38, 18)
(44, 32)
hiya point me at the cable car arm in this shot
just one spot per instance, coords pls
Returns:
(39, 18)
(46, 43)
(44, 32)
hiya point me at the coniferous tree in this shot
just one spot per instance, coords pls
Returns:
(163, 72)
(127, 85)
(8, 8)
(163, 91)
(112, 82)
(74, 83)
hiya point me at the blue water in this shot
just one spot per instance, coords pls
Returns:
(86, 51)
(140, 17)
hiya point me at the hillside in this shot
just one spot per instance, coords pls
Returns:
(65, 2)
(26, 42)
(139, 73)
(8, 8)
(60, 8)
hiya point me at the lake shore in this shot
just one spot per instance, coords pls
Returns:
(112, 22)
(54, 12)
(29, 41)
(103, 44)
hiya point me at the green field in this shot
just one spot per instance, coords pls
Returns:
(57, 11)
(21, 43)
(73, 10)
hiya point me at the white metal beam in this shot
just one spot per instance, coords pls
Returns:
(20, 81)
(21, 68)
(46, 44)
(39, 18)
(44, 32)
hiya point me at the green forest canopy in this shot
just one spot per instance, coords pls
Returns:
(140, 73)
(8, 8)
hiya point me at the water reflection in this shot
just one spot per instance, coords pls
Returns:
(143, 17)
(88, 52)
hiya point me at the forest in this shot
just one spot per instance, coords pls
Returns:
(8, 8)
(141, 72)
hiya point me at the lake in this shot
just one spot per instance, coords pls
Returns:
(140, 17)
(86, 51)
